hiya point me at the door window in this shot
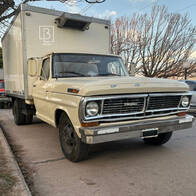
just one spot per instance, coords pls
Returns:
(45, 72)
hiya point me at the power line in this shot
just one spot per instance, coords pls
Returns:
(83, 11)
(148, 5)
(192, 5)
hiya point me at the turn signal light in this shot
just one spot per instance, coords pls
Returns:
(181, 113)
(72, 90)
(90, 124)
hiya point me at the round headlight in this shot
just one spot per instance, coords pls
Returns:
(92, 109)
(185, 101)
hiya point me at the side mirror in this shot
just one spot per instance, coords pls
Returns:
(42, 78)
(32, 67)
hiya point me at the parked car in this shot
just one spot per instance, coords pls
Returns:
(2, 90)
(192, 86)
(5, 102)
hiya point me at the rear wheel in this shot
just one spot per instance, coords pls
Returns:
(28, 119)
(72, 146)
(19, 118)
(161, 139)
(1, 105)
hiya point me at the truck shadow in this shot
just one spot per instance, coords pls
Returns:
(36, 121)
(122, 149)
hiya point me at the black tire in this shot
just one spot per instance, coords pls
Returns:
(19, 118)
(72, 146)
(160, 140)
(28, 119)
(1, 105)
(9, 105)
(5, 106)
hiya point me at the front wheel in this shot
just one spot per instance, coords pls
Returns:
(72, 146)
(161, 139)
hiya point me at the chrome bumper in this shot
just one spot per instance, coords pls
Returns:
(192, 108)
(133, 130)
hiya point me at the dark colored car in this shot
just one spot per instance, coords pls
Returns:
(2, 90)
(5, 102)
(192, 86)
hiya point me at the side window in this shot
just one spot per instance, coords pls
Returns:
(45, 72)
(191, 85)
(194, 87)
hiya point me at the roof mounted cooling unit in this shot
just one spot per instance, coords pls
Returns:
(73, 21)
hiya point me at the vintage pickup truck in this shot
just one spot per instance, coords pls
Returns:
(70, 81)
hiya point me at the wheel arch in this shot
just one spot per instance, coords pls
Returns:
(58, 114)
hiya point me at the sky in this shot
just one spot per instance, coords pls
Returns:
(111, 9)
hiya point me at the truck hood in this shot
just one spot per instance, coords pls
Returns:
(118, 85)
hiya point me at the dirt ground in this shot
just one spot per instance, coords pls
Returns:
(7, 180)
(126, 168)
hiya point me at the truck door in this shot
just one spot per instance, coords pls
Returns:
(40, 89)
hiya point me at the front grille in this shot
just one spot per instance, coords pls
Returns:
(123, 105)
(126, 107)
(163, 102)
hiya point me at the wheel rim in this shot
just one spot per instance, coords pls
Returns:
(69, 138)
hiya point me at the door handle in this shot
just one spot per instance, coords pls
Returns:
(34, 85)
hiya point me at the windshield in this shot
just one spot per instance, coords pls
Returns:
(192, 85)
(86, 65)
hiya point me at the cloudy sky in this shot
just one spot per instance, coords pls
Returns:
(116, 8)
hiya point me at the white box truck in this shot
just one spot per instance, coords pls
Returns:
(58, 67)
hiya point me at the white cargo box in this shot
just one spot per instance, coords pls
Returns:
(36, 32)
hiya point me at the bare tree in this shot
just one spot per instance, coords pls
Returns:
(157, 44)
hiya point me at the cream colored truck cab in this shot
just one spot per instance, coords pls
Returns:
(82, 90)
(91, 99)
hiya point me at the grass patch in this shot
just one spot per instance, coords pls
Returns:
(7, 180)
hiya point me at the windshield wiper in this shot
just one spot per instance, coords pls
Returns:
(72, 72)
(109, 74)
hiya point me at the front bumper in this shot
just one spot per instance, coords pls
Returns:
(192, 108)
(109, 133)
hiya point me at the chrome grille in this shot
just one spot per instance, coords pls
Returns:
(138, 106)
(123, 105)
(163, 102)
